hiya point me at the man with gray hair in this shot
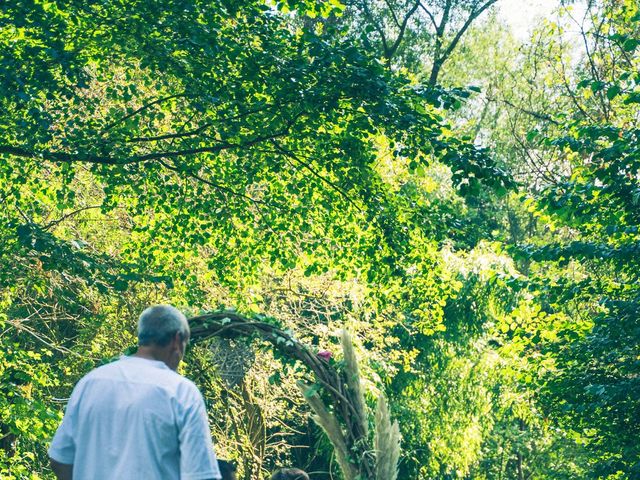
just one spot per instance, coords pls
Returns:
(137, 418)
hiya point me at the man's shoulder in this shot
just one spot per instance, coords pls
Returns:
(99, 371)
(104, 370)
(135, 371)
(187, 388)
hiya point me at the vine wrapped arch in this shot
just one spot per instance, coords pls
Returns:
(340, 411)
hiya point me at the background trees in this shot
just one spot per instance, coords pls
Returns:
(465, 203)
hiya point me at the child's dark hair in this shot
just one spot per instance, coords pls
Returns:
(227, 468)
(290, 474)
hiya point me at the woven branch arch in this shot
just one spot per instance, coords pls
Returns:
(346, 423)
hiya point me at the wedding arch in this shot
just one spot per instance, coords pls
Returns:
(335, 397)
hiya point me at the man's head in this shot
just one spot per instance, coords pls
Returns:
(227, 470)
(290, 474)
(165, 330)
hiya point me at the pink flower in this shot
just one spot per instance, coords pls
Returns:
(325, 355)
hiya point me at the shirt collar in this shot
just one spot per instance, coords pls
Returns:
(155, 363)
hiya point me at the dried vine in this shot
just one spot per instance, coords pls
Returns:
(357, 460)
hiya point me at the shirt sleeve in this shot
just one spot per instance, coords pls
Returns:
(197, 458)
(63, 446)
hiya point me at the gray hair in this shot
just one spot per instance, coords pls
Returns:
(160, 323)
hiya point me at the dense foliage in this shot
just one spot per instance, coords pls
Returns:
(465, 203)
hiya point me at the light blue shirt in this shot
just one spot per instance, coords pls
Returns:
(136, 419)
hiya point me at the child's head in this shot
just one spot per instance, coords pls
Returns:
(290, 474)
(228, 470)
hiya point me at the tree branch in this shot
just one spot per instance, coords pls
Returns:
(307, 166)
(65, 157)
(68, 215)
(202, 128)
(378, 28)
(217, 186)
(393, 13)
(430, 15)
(142, 108)
(170, 136)
(538, 115)
(465, 27)
(106, 160)
(439, 59)
(403, 29)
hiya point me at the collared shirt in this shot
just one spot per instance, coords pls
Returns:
(136, 419)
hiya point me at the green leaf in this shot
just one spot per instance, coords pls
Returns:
(633, 97)
(630, 44)
(312, 390)
(613, 92)
(584, 83)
